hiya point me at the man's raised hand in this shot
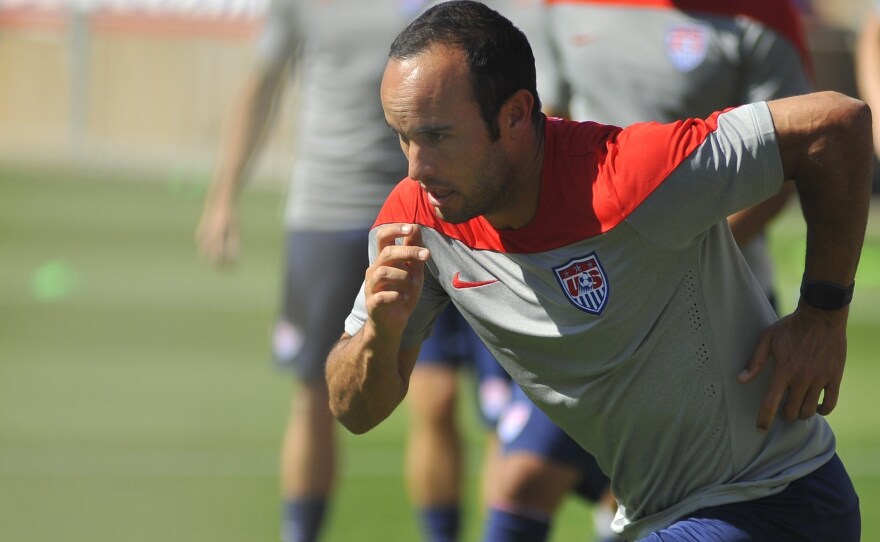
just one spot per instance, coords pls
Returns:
(393, 282)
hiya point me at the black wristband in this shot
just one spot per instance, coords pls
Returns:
(826, 295)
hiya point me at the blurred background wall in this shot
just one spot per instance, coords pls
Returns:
(126, 85)
(143, 86)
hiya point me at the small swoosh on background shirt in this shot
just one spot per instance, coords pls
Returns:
(459, 284)
(582, 39)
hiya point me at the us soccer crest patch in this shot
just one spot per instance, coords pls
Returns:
(584, 283)
(687, 45)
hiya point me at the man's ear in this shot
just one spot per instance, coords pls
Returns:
(515, 116)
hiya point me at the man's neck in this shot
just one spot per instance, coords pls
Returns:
(528, 183)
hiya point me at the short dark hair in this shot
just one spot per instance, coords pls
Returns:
(499, 57)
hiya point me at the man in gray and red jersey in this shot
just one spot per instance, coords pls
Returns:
(597, 265)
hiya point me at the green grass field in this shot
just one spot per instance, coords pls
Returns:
(137, 402)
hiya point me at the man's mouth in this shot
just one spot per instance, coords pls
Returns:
(438, 196)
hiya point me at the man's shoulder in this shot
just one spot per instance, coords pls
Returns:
(403, 204)
(572, 134)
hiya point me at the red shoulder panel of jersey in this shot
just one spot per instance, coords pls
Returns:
(594, 176)
(780, 15)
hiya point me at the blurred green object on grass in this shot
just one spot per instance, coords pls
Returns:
(54, 281)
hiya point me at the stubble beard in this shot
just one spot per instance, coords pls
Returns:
(496, 191)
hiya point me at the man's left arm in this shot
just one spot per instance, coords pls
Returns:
(825, 144)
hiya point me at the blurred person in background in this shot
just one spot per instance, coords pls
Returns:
(345, 163)
(435, 443)
(541, 464)
(622, 63)
(867, 64)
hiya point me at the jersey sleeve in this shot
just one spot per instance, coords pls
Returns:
(358, 315)
(735, 165)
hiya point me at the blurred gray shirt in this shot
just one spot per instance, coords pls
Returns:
(346, 158)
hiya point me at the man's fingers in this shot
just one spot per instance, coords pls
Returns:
(388, 278)
(796, 401)
(389, 234)
(414, 238)
(409, 252)
(770, 404)
(757, 361)
(394, 280)
(811, 402)
(400, 256)
(399, 275)
(829, 400)
(218, 243)
(387, 297)
(223, 252)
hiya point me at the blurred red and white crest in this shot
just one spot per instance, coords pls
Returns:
(687, 45)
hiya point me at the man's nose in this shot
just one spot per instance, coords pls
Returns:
(420, 165)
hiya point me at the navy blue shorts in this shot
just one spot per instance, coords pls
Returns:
(525, 428)
(455, 344)
(319, 288)
(820, 507)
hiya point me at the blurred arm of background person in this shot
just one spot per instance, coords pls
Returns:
(540, 463)
(867, 57)
(217, 235)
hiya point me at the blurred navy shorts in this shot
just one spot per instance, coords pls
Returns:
(525, 428)
(455, 344)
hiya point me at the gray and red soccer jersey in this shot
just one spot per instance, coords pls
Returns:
(625, 310)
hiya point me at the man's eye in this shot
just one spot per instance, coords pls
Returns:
(436, 137)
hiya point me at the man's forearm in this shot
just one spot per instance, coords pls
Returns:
(826, 148)
(825, 145)
(836, 221)
(365, 379)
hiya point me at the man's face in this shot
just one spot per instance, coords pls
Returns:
(429, 104)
